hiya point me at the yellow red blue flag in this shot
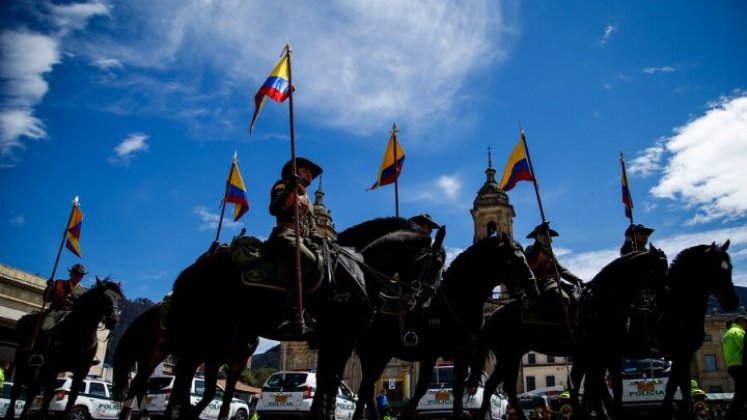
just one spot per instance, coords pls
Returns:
(276, 87)
(627, 199)
(391, 166)
(72, 233)
(517, 167)
(236, 193)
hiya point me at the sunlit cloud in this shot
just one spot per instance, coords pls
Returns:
(124, 151)
(209, 220)
(608, 31)
(654, 70)
(18, 220)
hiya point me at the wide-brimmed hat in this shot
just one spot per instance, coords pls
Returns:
(315, 169)
(425, 219)
(637, 227)
(78, 269)
(542, 229)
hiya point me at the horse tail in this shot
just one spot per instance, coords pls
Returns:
(136, 345)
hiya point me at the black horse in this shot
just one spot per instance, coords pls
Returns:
(677, 324)
(447, 327)
(209, 296)
(70, 346)
(144, 343)
(510, 333)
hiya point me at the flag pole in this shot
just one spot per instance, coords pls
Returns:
(294, 170)
(627, 184)
(395, 130)
(54, 271)
(225, 195)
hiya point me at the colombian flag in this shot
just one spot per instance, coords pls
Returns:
(276, 87)
(236, 193)
(390, 169)
(517, 168)
(626, 197)
(72, 233)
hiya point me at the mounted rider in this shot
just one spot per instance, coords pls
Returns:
(61, 296)
(286, 193)
(425, 222)
(636, 238)
(542, 235)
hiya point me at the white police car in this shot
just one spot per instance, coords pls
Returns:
(288, 394)
(438, 401)
(94, 400)
(159, 391)
(5, 400)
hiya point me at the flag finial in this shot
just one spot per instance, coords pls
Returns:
(394, 128)
(235, 156)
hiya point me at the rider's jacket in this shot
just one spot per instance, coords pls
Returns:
(63, 295)
(282, 202)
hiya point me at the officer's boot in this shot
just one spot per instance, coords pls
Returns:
(292, 326)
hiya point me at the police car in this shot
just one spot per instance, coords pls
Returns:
(159, 390)
(288, 394)
(94, 400)
(438, 401)
(5, 400)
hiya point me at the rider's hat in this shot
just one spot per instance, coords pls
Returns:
(637, 227)
(424, 219)
(78, 269)
(542, 229)
(315, 169)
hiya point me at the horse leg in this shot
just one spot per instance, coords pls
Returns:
(671, 388)
(235, 367)
(490, 386)
(180, 404)
(576, 376)
(372, 367)
(460, 374)
(77, 381)
(330, 365)
(509, 383)
(614, 406)
(424, 376)
(211, 380)
(15, 392)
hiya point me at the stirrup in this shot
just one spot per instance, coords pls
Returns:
(410, 339)
(36, 360)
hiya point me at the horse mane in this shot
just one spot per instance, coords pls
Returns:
(470, 259)
(683, 261)
(366, 232)
(101, 286)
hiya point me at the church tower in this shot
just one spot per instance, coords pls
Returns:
(491, 211)
(322, 215)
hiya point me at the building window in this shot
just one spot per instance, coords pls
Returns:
(707, 338)
(550, 359)
(531, 385)
(710, 362)
(549, 380)
(532, 358)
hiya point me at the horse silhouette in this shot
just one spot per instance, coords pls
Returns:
(510, 334)
(677, 322)
(209, 297)
(70, 346)
(447, 327)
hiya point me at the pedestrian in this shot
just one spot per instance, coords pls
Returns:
(286, 194)
(733, 344)
(382, 404)
(61, 296)
(3, 369)
(636, 238)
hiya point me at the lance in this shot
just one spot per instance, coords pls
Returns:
(546, 232)
(294, 171)
(225, 195)
(395, 130)
(48, 290)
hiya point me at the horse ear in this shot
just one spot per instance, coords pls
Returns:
(725, 246)
(98, 281)
(440, 235)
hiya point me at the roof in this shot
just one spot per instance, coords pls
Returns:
(241, 387)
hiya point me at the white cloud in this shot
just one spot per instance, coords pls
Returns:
(450, 186)
(608, 31)
(388, 59)
(587, 264)
(648, 161)
(75, 16)
(125, 150)
(107, 63)
(663, 69)
(705, 168)
(15, 123)
(210, 220)
(18, 220)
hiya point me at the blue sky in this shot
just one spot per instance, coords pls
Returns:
(138, 107)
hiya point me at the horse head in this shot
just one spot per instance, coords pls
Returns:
(492, 261)
(102, 302)
(710, 266)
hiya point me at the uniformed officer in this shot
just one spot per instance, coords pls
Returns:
(281, 245)
(636, 238)
(542, 235)
(61, 296)
(425, 222)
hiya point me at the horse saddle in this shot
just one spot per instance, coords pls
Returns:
(546, 309)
